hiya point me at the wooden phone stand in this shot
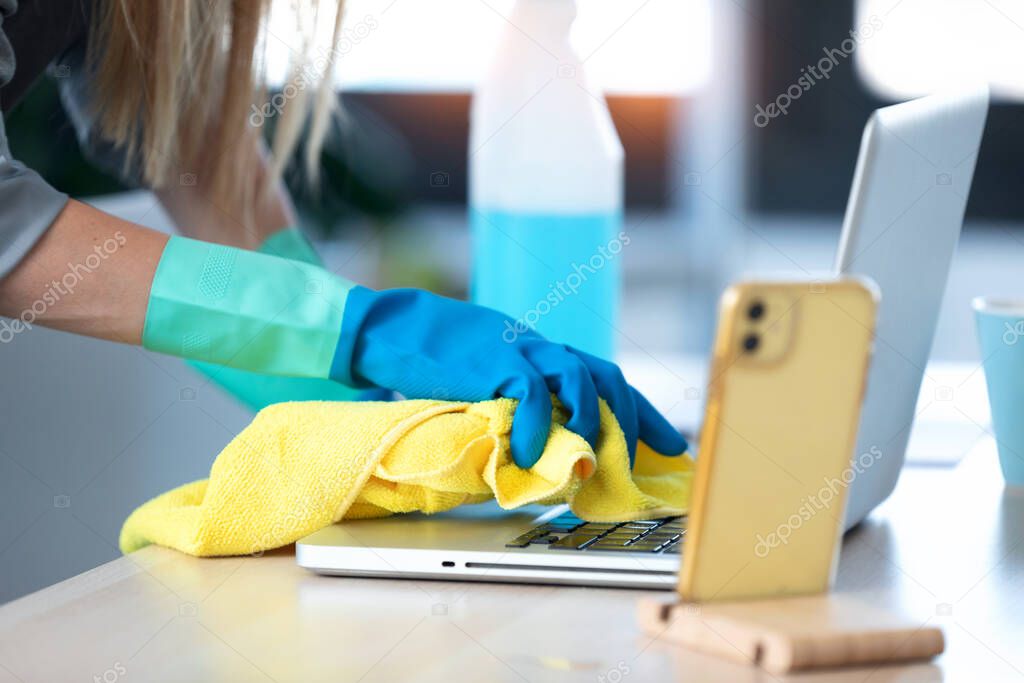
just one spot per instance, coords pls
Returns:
(790, 634)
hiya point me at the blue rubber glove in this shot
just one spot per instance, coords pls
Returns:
(426, 346)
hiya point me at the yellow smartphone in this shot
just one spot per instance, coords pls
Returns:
(786, 383)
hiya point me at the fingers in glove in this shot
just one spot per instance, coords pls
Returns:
(568, 378)
(532, 419)
(612, 387)
(655, 430)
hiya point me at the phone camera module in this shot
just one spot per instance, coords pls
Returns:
(756, 310)
(751, 342)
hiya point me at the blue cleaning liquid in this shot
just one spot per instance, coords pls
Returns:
(558, 274)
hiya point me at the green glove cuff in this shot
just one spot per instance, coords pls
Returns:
(257, 391)
(243, 309)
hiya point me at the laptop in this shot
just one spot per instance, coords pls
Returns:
(902, 223)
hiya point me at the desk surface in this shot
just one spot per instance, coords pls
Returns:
(947, 549)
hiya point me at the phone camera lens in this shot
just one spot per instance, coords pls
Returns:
(756, 310)
(751, 342)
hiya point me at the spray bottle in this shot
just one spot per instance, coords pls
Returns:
(546, 186)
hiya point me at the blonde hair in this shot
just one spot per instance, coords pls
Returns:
(174, 83)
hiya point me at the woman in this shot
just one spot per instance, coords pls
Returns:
(161, 92)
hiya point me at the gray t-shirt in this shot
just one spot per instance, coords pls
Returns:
(42, 31)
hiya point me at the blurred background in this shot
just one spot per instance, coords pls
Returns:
(95, 429)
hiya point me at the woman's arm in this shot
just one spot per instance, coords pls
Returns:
(199, 215)
(97, 275)
(90, 273)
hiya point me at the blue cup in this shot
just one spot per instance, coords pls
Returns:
(1001, 335)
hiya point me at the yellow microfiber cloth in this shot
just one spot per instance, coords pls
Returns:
(302, 466)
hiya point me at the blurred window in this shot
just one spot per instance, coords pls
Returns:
(644, 47)
(929, 45)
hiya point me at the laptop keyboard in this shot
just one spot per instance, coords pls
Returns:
(569, 532)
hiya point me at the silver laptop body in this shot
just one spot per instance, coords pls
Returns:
(482, 543)
(902, 224)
